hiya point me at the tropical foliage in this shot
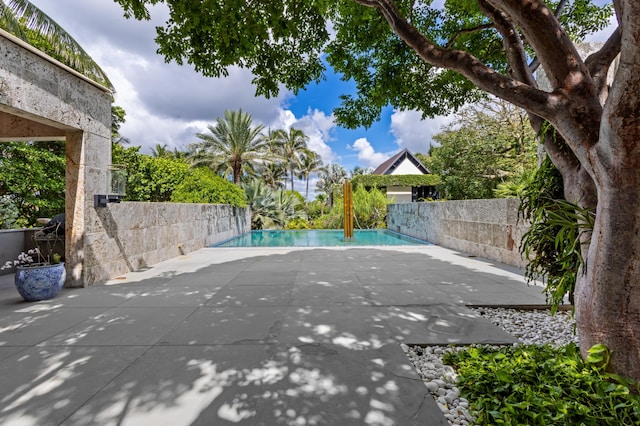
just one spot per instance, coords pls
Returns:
(289, 146)
(270, 208)
(27, 22)
(369, 209)
(233, 147)
(328, 177)
(310, 163)
(490, 144)
(552, 244)
(201, 185)
(32, 182)
(542, 385)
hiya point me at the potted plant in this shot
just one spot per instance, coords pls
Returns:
(38, 277)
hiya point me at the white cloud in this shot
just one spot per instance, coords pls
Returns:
(414, 133)
(367, 156)
(317, 126)
(164, 103)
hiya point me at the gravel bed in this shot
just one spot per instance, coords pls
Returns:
(530, 327)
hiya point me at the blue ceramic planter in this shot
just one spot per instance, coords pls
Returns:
(40, 282)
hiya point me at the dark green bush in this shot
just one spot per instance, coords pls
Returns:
(149, 178)
(201, 185)
(542, 385)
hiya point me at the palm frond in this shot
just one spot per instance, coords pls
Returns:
(36, 28)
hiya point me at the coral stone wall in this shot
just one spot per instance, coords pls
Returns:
(484, 228)
(130, 236)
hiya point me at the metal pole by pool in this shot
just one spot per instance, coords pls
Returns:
(348, 211)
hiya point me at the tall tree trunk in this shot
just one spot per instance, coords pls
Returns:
(608, 293)
(608, 297)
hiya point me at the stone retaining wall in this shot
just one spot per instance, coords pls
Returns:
(131, 236)
(484, 228)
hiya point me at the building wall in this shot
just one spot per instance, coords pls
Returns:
(483, 228)
(399, 194)
(41, 99)
(406, 168)
(130, 236)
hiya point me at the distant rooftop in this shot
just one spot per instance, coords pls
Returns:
(392, 163)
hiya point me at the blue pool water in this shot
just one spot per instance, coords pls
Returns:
(319, 238)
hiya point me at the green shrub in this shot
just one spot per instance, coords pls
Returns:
(32, 176)
(201, 185)
(8, 212)
(551, 245)
(149, 178)
(380, 181)
(542, 385)
(298, 223)
(370, 208)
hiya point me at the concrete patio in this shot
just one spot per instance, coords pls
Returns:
(249, 337)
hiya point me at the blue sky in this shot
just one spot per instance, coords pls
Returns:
(168, 104)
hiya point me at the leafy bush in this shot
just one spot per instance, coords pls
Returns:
(381, 181)
(552, 244)
(317, 208)
(149, 178)
(542, 385)
(298, 223)
(32, 175)
(369, 209)
(8, 212)
(201, 185)
(515, 186)
(270, 208)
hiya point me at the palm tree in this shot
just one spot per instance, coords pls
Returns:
(27, 22)
(160, 151)
(357, 171)
(309, 162)
(290, 146)
(332, 174)
(273, 174)
(234, 146)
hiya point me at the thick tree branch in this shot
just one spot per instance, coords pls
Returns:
(579, 122)
(466, 31)
(599, 62)
(535, 63)
(543, 31)
(523, 95)
(513, 46)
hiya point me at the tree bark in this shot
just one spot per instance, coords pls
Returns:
(607, 298)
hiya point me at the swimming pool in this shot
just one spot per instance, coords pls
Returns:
(319, 238)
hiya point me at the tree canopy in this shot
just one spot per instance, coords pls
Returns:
(490, 143)
(284, 43)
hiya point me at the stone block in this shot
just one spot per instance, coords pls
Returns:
(484, 233)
